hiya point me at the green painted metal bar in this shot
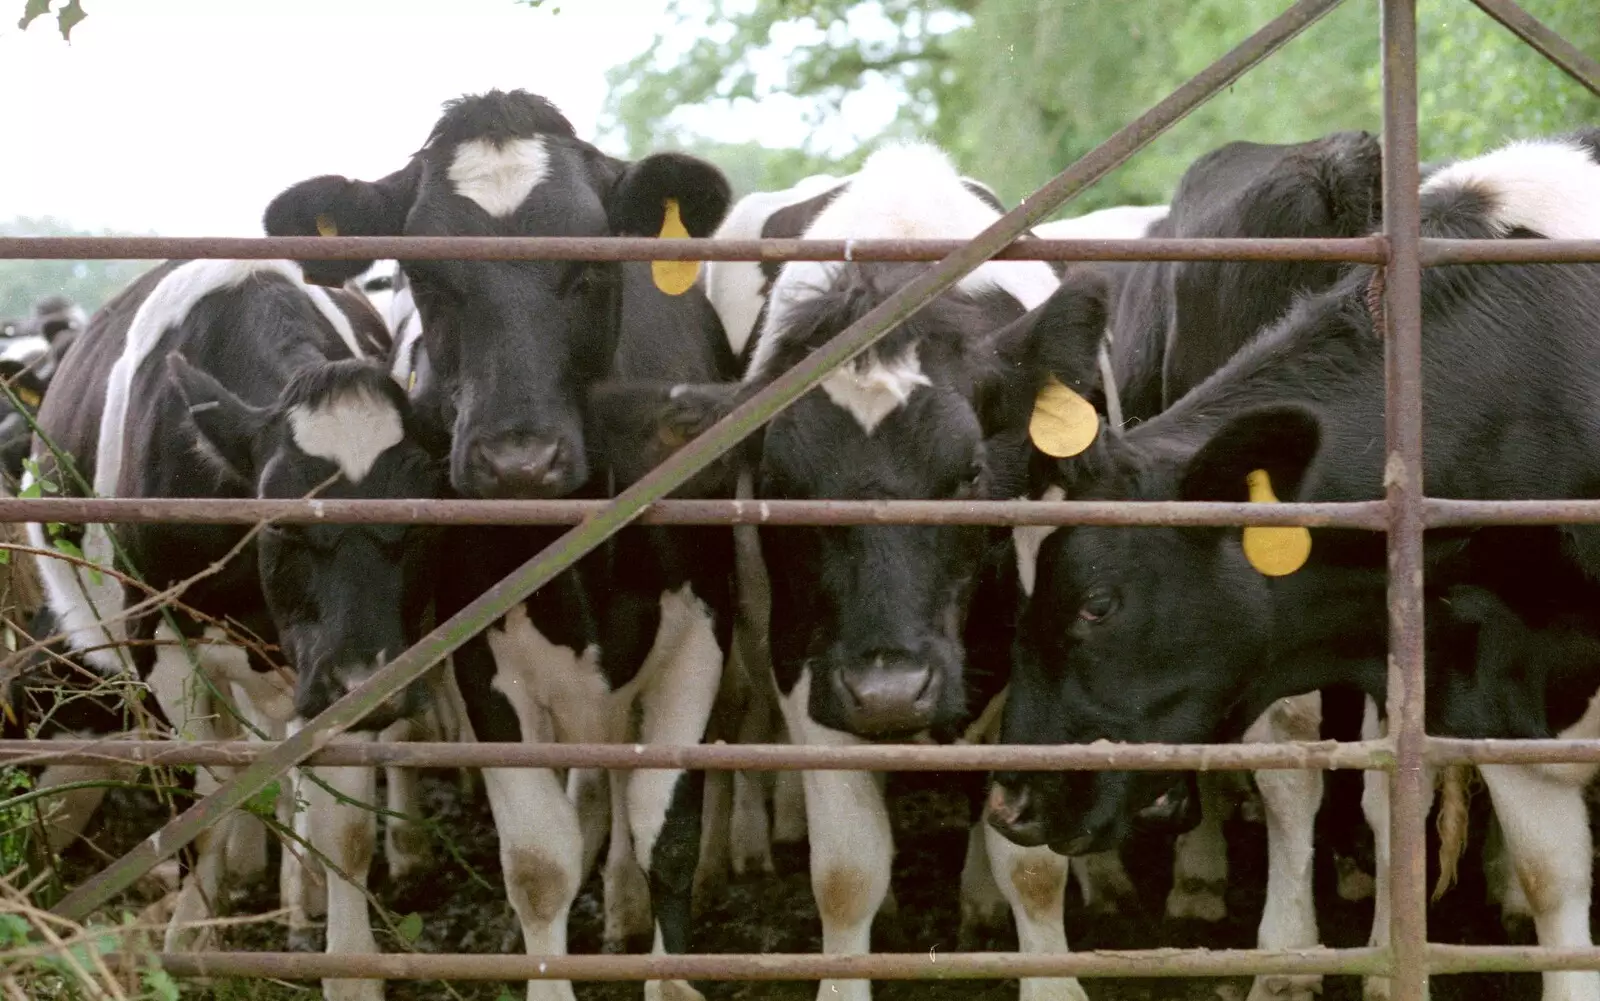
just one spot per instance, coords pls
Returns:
(686, 463)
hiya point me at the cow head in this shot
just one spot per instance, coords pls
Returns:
(344, 598)
(1146, 634)
(513, 345)
(872, 618)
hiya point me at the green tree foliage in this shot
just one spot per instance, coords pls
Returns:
(87, 283)
(1017, 89)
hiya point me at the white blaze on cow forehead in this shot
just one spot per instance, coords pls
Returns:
(499, 177)
(873, 388)
(351, 431)
(1027, 540)
(1549, 186)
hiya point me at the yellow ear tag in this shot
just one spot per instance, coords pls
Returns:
(1063, 423)
(326, 226)
(28, 397)
(411, 383)
(674, 277)
(1274, 550)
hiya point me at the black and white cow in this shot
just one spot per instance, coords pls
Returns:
(870, 631)
(236, 379)
(1171, 635)
(629, 645)
(1173, 323)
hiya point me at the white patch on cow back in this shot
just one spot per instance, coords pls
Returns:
(1549, 186)
(872, 388)
(498, 177)
(1120, 222)
(1027, 540)
(336, 318)
(734, 287)
(902, 192)
(351, 431)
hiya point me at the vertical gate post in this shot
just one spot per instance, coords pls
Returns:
(1410, 790)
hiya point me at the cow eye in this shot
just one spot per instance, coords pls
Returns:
(1097, 605)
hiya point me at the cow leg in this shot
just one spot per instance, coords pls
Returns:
(788, 808)
(1034, 883)
(751, 832)
(852, 846)
(1546, 829)
(405, 837)
(1103, 881)
(590, 794)
(1200, 862)
(345, 833)
(1290, 799)
(1500, 877)
(663, 805)
(302, 882)
(1375, 805)
(628, 922)
(983, 906)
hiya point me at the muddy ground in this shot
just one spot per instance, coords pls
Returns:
(776, 914)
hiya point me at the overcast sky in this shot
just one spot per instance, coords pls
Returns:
(184, 117)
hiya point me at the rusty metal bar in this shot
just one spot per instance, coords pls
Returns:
(1365, 514)
(1441, 513)
(1572, 60)
(1510, 958)
(687, 462)
(777, 966)
(1436, 251)
(1325, 754)
(1488, 751)
(1369, 250)
(1411, 794)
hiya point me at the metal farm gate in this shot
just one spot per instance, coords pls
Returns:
(1404, 515)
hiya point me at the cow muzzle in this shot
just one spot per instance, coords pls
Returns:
(521, 466)
(887, 695)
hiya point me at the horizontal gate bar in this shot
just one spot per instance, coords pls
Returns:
(1546, 42)
(743, 421)
(1369, 515)
(930, 965)
(1509, 958)
(1367, 250)
(1364, 514)
(1103, 756)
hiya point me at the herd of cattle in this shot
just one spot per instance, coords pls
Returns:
(527, 379)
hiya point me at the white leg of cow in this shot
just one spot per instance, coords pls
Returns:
(1034, 883)
(405, 837)
(302, 883)
(676, 708)
(1500, 876)
(590, 794)
(1200, 862)
(852, 847)
(1546, 828)
(628, 921)
(1290, 800)
(1375, 805)
(346, 834)
(983, 906)
(541, 852)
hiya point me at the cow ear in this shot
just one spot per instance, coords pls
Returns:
(337, 206)
(1281, 441)
(637, 204)
(1058, 347)
(227, 429)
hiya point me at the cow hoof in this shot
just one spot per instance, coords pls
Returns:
(671, 990)
(1051, 989)
(352, 990)
(1285, 988)
(1197, 900)
(305, 940)
(1354, 884)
